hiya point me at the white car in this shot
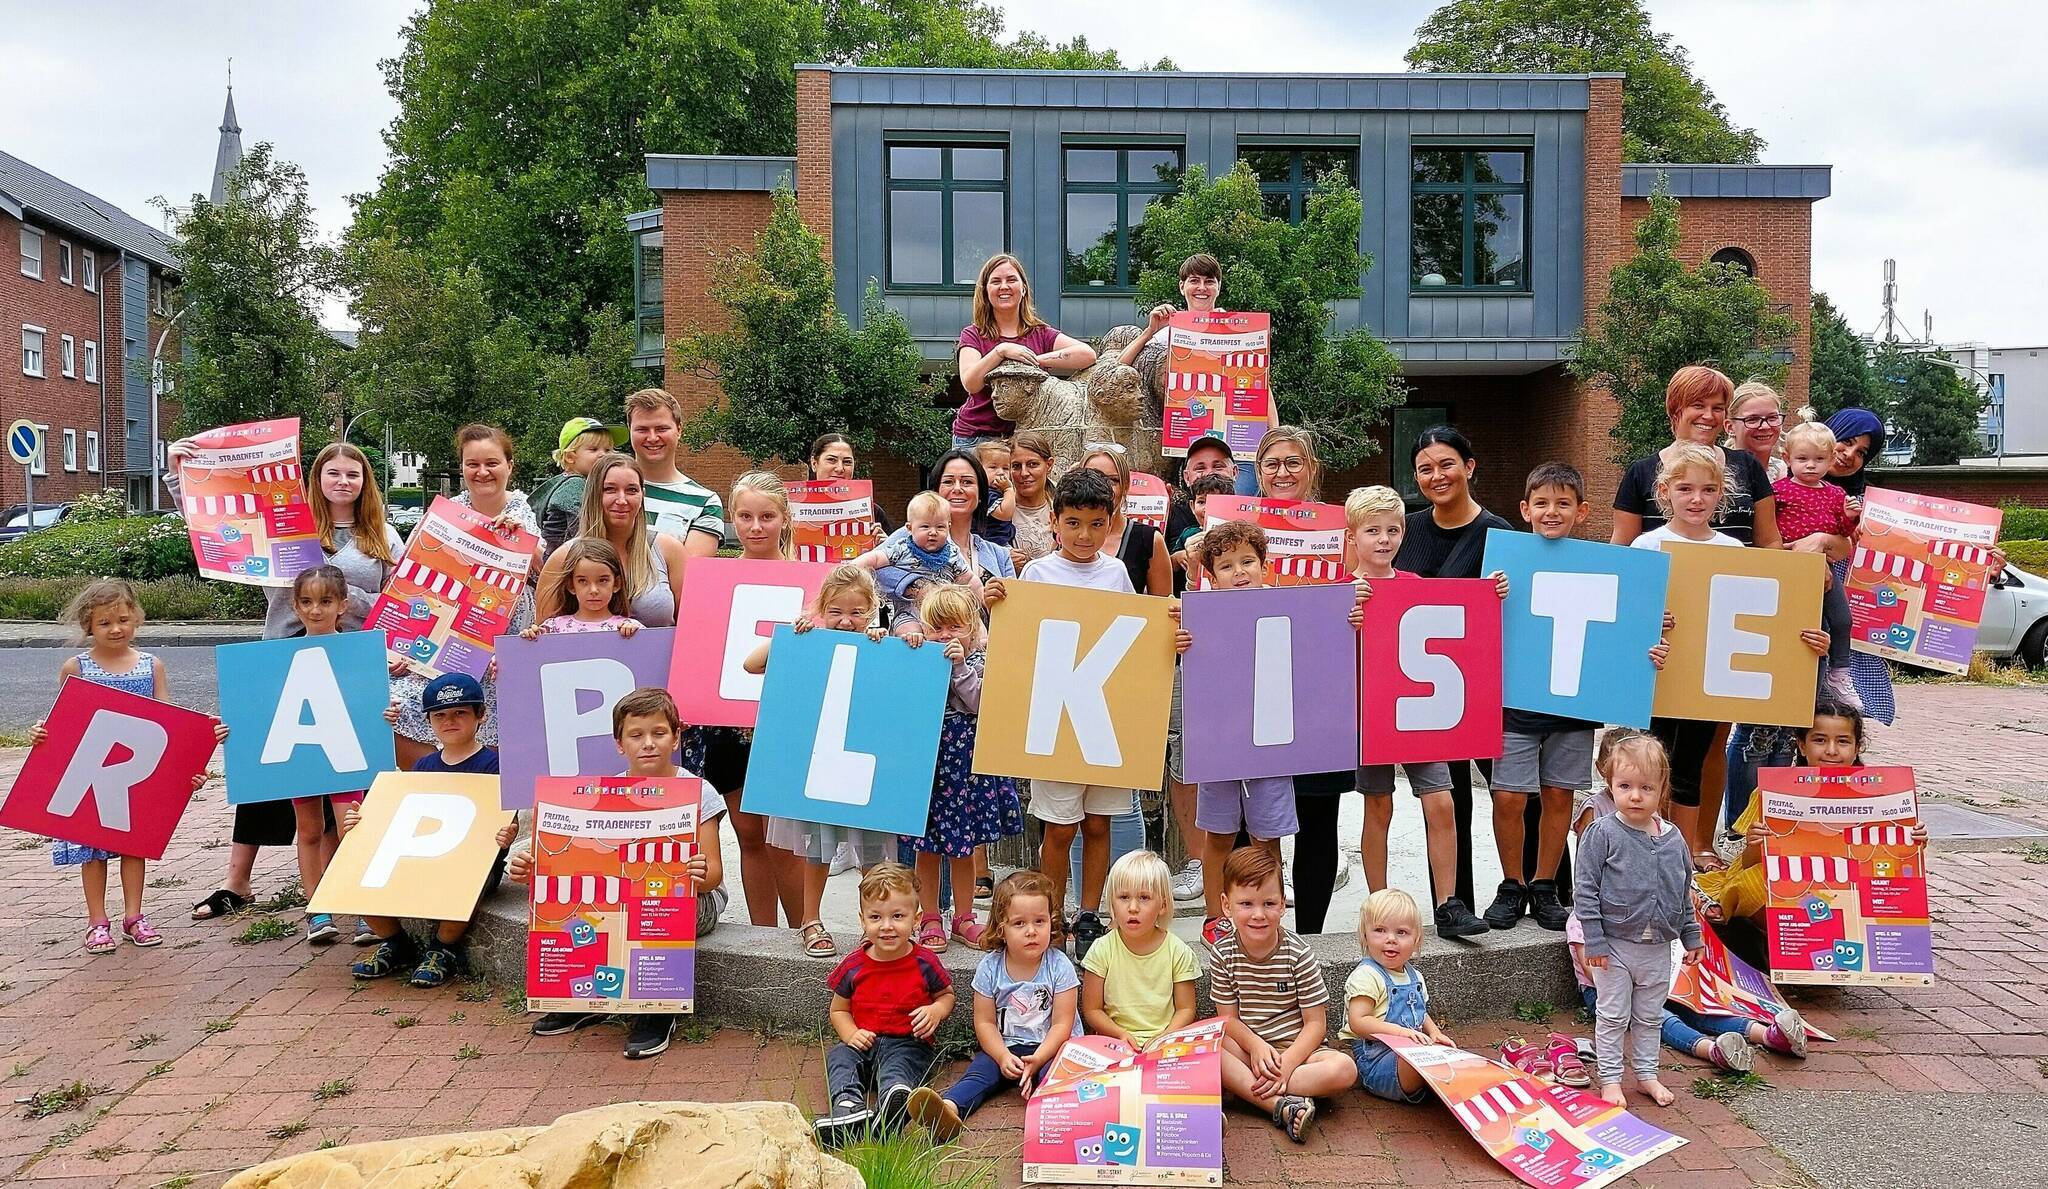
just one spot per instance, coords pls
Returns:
(2015, 617)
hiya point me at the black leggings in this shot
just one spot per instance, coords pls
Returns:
(1315, 858)
(1687, 742)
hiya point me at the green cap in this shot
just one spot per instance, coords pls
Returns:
(576, 427)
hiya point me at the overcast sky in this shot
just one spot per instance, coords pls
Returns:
(1937, 129)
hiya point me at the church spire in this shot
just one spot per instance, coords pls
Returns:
(229, 154)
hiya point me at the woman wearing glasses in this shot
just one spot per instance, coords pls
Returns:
(1756, 425)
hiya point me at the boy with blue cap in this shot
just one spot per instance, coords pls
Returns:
(454, 705)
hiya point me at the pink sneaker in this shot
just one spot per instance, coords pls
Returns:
(100, 938)
(1730, 1051)
(1564, 1057)
(967, 929)
(1528, 1058)
(140, 932)
(1787, 1034)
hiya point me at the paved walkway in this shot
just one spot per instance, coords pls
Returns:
(17, 633)
(206, 1056)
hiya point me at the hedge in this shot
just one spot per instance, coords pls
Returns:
(181, 598)
(2031, 556)
(134, 547)
(2023, 524)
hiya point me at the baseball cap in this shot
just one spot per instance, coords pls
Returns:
(450, 690)
(1213, 437)
(576, 427)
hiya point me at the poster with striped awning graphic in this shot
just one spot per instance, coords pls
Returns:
(452, 592)
(241, 492)
(1304, 541)
(834, 519)
(1845, 877)
(1218, 380)
(613, 910)
(1917, 578)
(1546, 1135)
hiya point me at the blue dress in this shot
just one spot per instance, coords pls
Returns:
(968, 809)
(140, 680)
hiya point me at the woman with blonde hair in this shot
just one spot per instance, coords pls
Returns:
(1005, 327)
(614, 510)
(1756, 425)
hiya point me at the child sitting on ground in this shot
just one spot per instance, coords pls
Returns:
(922, 548)
(888, 999)
(1268, 989)
(1025, 997)
(1386, 996)
(1139, 981)
(454, 706)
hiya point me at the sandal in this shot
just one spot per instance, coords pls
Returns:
(817, 941)
(931, 932)
(222, 903)
(1292, 1114)
(967, 929)
(140, 932)
(100, 938)
(1707, 860)
(984, 889)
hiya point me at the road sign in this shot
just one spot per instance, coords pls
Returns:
(24, 441)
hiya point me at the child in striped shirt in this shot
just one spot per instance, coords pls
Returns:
(1268, 989)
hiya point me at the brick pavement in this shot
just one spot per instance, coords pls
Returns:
(206, 1056)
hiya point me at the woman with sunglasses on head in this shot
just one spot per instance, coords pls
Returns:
(1140, 547)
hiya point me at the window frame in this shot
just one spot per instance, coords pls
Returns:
(64, 261)
(1299, 186)
(92, 362)
(89, 268)
(26, 232)
(42, 463)
(42, 370)
(1122, 188)
(1470, 149)
(945, 186)
(643, 309)
(70, 450)
(1403, 480)
(66, 356)
(92, 451)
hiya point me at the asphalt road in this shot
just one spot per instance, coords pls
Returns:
(28, 681)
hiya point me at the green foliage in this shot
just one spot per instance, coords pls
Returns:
(790, 367)
(255, 273)
(2031, 556)
(137, 547)
(409, 497)
(909, 1159)
(265, 929)
(1533, 1011)
(163, 599)
(2022, 523)
(1841, 368)
(1661, 315)
(1932, 405)
(1667, 114)
(94, 506)
(1340, 387)
(73, 1097)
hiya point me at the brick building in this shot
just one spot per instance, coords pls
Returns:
(81, 310)
(1494, 208)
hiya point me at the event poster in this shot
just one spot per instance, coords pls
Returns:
(245, 504)
(1218, 380)
(1147, 500)
(614, 922)
(1847, 882)
(834, 519)
(1722, 984)
(1304, 541)
(451, 595)
(1917, 579)
(1104, 1115)
(1547, 1136)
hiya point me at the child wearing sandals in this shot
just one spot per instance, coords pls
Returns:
(968, 810)
(108, 615)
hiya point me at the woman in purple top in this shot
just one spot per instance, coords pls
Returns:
(1005, 327)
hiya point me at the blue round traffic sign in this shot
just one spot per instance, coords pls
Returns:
(23, 437)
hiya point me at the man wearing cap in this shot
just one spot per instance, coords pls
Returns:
(559, 502)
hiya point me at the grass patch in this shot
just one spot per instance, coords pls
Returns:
(513, 1001)
(474, 990)
(287, 1130)
(2032, 852)
(44, 1103)
(166, 881)
(108, 1152)
(329, 1142)
(158, 1070)
(145, 1040)
(336, 1088)
(1855, 1032)
(468, 1053)
(1533, 1011)
(380, 1011)
(265, 929)
(1983, 671)
(908, 1159)
(1723, 1089)
(405, 1021)
(166, 1148)
(694, 1030)
(21, 1069)
(287, 898)
(457, 1017)
(182, 1181)
(73, 1132)
(216, 1027)
(26, 843)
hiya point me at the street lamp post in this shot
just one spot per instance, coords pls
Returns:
(156, 396)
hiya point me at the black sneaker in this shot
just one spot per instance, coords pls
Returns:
(558, 1023)
(894, 1107)
(649, 1035)
(1453, 919)
(1544, 905)
(387, 959)
(1087, 931)
(1509, 903)
(848, 1122)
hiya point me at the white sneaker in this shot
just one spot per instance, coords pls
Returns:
(1187, 883)
(844, 859)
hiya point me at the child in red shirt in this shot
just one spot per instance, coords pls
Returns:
(888, 998)
(1809, 504)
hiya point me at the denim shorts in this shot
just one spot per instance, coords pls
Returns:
(1379, 1071)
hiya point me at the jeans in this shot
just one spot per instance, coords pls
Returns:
(1742, 767)
(1682, 1027)
(983, 1080)
(969, 443)
(1126, 834)
(892, 1061)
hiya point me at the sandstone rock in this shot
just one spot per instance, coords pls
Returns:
(630, 1145)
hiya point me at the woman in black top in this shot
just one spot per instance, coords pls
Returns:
(1448, 540)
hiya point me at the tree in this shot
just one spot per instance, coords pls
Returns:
(791, 368)
(1660, 316)
(523, 129)
(1928, 403)
(255, 271)
(1338, 387)
(1667, 114)
(1841, 366)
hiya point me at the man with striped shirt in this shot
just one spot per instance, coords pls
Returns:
(676, 504)
(1268, 989)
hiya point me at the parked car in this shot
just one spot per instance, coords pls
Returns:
(15, 523)
(2015, 617)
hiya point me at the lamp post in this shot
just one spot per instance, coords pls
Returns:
(156, 395)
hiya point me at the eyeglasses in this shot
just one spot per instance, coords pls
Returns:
(1760, 420)
(1290, 463)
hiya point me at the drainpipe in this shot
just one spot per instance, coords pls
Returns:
(106, 447)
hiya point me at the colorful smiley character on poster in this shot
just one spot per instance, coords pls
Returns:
(1535, 1138)
(582, 933)
(1900, 636)
(1887, 597)
(655, 886)
(229, 532)
(611, 982)
(1822, 959)
(1120, 1143)
(420, 609)
(1088, 1151)
(1600, 1158)
(583, 988)
(1817, 909)
(1953, 577)
(1849, 955)
(1882, 868)
(423, 648)
(1091, 1091)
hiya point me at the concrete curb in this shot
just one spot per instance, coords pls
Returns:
(159, 635)
(758, 977)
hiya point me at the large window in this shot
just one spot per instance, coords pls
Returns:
(1469, 219)
(31, 252)
(1287, 176)
(948, 212)
(1109, 189)
(648, 318)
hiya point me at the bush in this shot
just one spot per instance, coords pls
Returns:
(2031, 556)
(409, 497)
(134, 547)
(43, 599)
(97, 506)
(2021, 524)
